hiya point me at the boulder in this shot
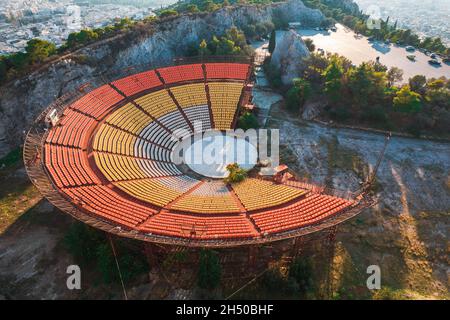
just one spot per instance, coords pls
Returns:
(289, 54)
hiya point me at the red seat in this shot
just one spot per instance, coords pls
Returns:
(182, 73)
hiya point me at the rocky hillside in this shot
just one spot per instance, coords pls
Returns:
(23, 99)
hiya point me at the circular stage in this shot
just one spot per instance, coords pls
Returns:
(107, 158)
(209, 155)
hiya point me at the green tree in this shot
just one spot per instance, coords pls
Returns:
(226, 47)
(303, 90)
(192, 8)
(37, 50)
(81, 37)
(407, 100)
(394, 75)
(210, 6)
(235, 35)
(366, 84)
(209, 273)
(315, 65)
(310, 44)
(248, 121)
(235, 173)
(333, 78)
(272, 41)
(418, 83)
(168, 13)
(438, 98)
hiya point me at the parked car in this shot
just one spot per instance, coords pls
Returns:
(434, 62)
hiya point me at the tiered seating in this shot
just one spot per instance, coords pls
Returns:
(98, 102)
(73, 129)
(116, 167)
(158, 135)
(199, 227)
(68, 166)
(158, 191)
(107, 204)
(132, 149)
(129, 118)
(182, 73)
(138, 82)
(113, 140)
(226, 71)
(210, 197)
(199, 117)
(143, 149)
(158, 169)
(189, 95)
(157, 103)
(307, 211)
(258, 194)
(177, 124)
(224, 102)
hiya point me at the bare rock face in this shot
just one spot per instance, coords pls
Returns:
(288, 56)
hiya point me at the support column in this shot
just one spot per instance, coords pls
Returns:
(253, 252)
(150, 253)
(298, 247)
(331, 246)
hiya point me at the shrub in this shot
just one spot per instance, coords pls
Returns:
(236, 174)
(293, 99)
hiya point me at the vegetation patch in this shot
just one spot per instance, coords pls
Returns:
(91, 248)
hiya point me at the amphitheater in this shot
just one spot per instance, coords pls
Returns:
(103, 155)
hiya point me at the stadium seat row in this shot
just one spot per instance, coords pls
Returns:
(258, 194)
(68, 166)
(224, 100)
(107, 204)
(198, 227)
(73, 129)
(304, 212)
(138, 82)
(158, 191)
